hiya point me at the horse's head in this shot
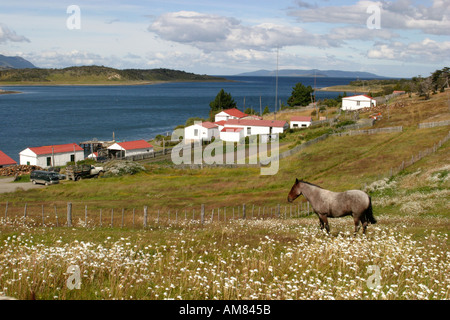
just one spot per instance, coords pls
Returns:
(295, 192)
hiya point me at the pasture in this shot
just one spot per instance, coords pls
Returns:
(404, 256)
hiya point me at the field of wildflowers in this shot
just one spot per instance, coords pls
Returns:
(240, 259)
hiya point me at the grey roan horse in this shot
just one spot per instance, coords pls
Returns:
(328, 204)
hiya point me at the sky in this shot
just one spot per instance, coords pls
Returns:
(398, 38)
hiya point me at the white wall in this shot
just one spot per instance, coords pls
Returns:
(203, 133)
(300, 124)
(232, 136)
(135, 152)
(352, 104)
(61, 159)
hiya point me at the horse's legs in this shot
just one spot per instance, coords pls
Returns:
(357, 225)
(324, 221)
(365, 223)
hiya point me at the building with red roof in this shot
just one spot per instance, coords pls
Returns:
(5, 160)
(130, 148)
(300, 122)
(358, 102)
(52, 156)
(229, 114)
(201, 131)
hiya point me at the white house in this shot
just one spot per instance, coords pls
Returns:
(201, 131)
(5, 160)
(232, 134)
(229, 114)
(258, 127)
(130, 148)
(300, 122)
(358, 102)
(52, 156)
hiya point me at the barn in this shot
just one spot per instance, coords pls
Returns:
(129, 148)
(51, 156)
(358, 102)
(5, 160)
(300, 122)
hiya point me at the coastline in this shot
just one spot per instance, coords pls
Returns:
(344, 88)
(9, 92)
(124, 83)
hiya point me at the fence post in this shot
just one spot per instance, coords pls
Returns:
(278, 212)
(100, 218)
(6, 210)
(112, 217)
(25, 213)
(202, 214)
(133, 216)
(56, 216)
(243, 212)
(69, 214)
(123, 213)
(145, 216)
(43, 220)
(85, 215)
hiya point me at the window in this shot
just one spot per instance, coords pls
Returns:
(358, 103)
(195, 132)
(295, 125)
(249, 130)
(49, 161)
(72, 158)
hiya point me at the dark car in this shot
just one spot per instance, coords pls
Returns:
(44, 177)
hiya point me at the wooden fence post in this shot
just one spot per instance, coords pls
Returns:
(112, 217)
(69, 214)
(25, 213)
(145, 216)
(202, 214)
(243, 212)
(123, 213)
(100, 218)
(278, 211)
(85, 215)
(6, 210)
(56, 216)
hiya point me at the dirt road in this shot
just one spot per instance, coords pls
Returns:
(7, 185)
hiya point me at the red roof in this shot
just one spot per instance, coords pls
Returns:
(359, 95)
(221, 122)
(300, 118)
(6, 160)
(208, 125)
(257, 123)
(61, 148)
(235, 113)
(134, 145)
(232, 129)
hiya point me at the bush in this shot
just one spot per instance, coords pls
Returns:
(122, 167)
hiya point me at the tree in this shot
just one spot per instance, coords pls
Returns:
(266, 110)
(301, 95)
(222, 101)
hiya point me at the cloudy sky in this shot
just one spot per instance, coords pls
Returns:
(398, 38)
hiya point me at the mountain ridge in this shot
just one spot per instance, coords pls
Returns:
(312, 73)
(16, 62)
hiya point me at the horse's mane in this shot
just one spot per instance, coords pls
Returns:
(311, 184)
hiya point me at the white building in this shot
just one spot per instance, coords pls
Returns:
(358, 102)
(130, 148)
(265, 128)
(201, 131)
(52, 156)
(300, 122)
(232, 134)
(229, 114)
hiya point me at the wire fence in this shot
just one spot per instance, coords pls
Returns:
(82, 216)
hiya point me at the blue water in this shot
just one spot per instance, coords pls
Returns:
(45, 115)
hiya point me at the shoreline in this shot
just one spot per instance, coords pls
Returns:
(343, 88)
(9, 92)
(126, 83)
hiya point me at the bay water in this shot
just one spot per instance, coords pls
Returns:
(48, 115)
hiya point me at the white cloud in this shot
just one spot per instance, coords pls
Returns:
(217, 33)
(9, 35)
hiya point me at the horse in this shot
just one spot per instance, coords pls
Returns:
(328, 204)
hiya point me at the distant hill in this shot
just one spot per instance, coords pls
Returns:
(14, 63)
(97, 75)
(312, 73)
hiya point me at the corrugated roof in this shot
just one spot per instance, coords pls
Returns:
(256, 123)
(134, 145)
(61, 148)
(208, 125)
(232, 129)
(5, 160)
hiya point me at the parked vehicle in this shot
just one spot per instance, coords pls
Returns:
(44, 177)
(77, 173)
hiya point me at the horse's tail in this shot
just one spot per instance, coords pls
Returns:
(369, 213)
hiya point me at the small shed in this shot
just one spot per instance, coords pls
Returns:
(358, 102)
(300, 122)
(130, 148)
(201, 131)
(51, 156)
(5, 160)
